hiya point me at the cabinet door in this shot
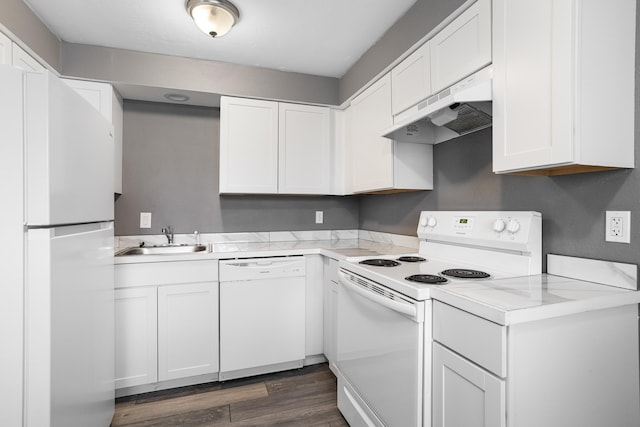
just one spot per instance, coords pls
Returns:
(5, 50)
(314, 341)
(187, 330)
(304, 149)
(465, 394)
(21, 59)
(372, 155)
(330, 309)
(136, 335)
(248, 146)
(411, 80)
(105, 99)
(532, 81)
(462, 47)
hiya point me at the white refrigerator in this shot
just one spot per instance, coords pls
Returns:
(56, 249)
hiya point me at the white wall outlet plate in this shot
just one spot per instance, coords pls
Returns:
(145, 219)
(618, 226)
(319, 217)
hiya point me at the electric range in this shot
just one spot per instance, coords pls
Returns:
(482, 245)
(384, 331)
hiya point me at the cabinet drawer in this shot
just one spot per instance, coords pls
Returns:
(165, 273)
(479, 340)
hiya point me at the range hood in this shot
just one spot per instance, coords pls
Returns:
(457, 110)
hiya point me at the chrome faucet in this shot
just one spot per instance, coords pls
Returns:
(168, 232)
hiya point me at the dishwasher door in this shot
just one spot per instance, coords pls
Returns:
(262, 315)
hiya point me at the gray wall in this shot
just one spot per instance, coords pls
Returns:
(170, 169)
(572, 206)
(148, 69)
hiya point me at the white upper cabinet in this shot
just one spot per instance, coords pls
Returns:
(371, 156)
(304, 149)
(269, 147)
(12, 54)
(104, 98)
(21, 59)
(5, 50)
(563, 86)
(462, 47)
(378, 164)
(248, 146)
(411, 80)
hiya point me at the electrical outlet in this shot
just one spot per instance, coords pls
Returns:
(618, 226)
(145, 219)
(319, 217)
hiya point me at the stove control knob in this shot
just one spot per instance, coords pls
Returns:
(513, 226)
(432, 221)
(499, 225)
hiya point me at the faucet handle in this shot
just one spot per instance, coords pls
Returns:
(197, 236)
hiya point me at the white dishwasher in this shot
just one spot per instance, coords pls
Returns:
(262, 315)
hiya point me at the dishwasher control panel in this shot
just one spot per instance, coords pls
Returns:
(261, 268)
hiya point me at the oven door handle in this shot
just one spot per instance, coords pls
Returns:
(405, 308)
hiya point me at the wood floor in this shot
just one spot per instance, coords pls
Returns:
(303, 397)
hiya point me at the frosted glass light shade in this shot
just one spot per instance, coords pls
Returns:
(213, 17)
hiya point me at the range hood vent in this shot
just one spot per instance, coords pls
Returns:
(455, 111)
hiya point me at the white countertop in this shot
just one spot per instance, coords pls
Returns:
(337, 249)
(529, 298)
(503, 301)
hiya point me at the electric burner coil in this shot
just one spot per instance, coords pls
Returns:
(429, 279)
(411, 258)
(380, 262)
(464, 273)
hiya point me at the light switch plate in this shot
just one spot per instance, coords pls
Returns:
(319, 217)
(145, 219)
(618, 226)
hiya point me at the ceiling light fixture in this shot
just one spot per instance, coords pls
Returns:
(177, 97)
(213, 17)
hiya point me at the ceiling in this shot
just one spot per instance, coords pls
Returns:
(319, 37)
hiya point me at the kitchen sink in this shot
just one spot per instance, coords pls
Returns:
(163, 250)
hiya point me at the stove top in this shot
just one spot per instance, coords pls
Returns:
(459, 247)
(416, 278)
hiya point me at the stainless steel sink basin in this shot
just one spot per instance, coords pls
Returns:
(163, 250)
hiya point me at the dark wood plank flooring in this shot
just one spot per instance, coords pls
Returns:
(301, 397)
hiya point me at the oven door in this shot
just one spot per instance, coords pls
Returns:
(380, 353)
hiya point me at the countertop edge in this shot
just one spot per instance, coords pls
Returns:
(507, 317)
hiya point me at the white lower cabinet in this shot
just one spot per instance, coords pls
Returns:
(330, 308)
(562, 371)
(187, 330)
(464, 394)
(166, 326)
(136, 335)
(314, 325)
